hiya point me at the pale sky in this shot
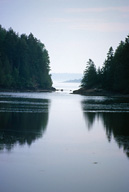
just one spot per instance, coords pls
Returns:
(72, 30)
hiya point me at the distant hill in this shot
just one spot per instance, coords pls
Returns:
(73, 81)
(61, 77)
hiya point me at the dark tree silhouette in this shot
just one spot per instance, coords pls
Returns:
(90, 75)
(24, 62)
(114, 74)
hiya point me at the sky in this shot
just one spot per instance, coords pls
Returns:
(73, 31)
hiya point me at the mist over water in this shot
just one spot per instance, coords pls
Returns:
(63, 142)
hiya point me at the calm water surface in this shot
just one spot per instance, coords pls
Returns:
(58, 142)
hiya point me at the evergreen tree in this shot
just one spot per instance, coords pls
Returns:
(24, 62)
(108, 70)
(121, 62)
(90, 75)
(114, 74)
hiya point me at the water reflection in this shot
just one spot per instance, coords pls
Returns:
(100, 104)
(22, 121)
(115, 121)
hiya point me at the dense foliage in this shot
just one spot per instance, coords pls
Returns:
(114, 74)
(24, 62)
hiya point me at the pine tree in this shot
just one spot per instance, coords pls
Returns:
(90, 75)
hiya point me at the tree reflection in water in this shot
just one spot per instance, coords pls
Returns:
(22, 121)
(115, 123)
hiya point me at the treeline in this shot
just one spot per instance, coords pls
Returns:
(114, 74)
(24, 62)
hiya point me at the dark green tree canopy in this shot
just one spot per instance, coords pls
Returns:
(90, 75)
(114, 74)
(24, 62)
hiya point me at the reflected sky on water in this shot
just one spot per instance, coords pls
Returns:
(114, 115)
(56, 142)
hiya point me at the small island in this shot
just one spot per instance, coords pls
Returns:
(112, 78)
(24, 63)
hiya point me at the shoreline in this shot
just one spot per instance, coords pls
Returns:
(98, 92)
(28, 90)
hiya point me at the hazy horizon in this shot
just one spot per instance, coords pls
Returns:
(60, 77)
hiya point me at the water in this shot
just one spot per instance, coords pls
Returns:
(66, 87)
(59, 142)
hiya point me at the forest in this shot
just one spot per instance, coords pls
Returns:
(24, 62)
(114, 74)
